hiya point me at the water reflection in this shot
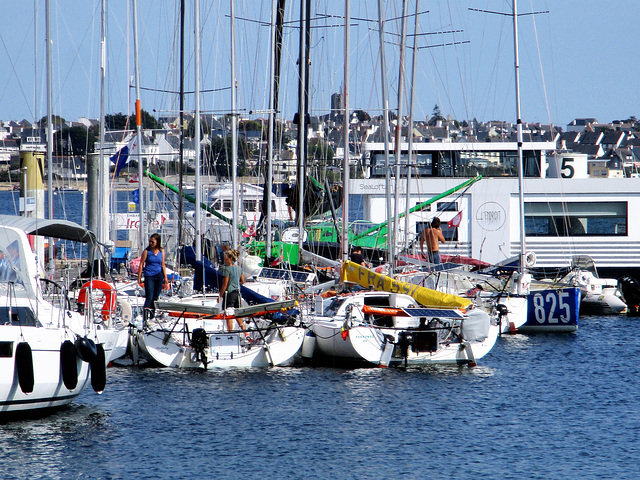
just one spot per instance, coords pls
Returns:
(52, 446)
(534, 395)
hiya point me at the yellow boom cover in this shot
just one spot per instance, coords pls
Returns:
(354, 273)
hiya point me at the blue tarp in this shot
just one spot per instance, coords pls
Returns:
(120, 257)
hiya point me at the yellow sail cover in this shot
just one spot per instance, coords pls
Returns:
(354, 273)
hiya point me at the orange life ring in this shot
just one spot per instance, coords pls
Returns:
(109, 291)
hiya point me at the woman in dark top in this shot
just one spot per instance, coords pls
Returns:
(155, 274)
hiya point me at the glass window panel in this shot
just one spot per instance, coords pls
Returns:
(576, 219)
(585, 209)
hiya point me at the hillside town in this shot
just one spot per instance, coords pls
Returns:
(611, 150)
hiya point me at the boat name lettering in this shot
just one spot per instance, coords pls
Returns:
(125, 221)
(375, 186)
(382, 282)
(491, 216)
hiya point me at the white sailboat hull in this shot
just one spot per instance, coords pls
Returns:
(517, 312)
(114, 342)
(49, 390)
(369, 343)
(224, 349)
(361, 343)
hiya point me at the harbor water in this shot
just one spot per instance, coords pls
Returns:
(540, 406)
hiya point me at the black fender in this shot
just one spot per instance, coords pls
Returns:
(69, 364)
(24, 367)
(99, 370)
(87, 350)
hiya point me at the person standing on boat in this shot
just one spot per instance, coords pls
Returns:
(155, 274)
(433, 236)
(232, 278)
(357, 257)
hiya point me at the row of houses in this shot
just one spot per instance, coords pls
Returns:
(611, 149)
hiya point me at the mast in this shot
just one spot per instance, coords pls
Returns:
(198, 192)
(234, 133)
(410, 127)
(345, 201)
(302, 120)
(519, 138)
(35, 61)
(181, 145)
(49, 128)
(103, 170)
(274, 73)
(398, 136)
(385, 114)
(143, 230)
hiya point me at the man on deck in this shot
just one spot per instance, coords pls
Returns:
(433, 236)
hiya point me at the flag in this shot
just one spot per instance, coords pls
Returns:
(135, 196)
(455, 221)
(121, 159)
(250, 232)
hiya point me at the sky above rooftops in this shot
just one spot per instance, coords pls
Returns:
(577, 60)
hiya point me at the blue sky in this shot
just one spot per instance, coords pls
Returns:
(578, 60)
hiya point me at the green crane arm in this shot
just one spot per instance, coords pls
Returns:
(203, 205)
(422, 205)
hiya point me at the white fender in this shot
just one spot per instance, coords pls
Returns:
(126, 312)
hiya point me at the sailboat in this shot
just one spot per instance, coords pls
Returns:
(392, 322)
(522, 307)
(549, 309)
(49, 352)
(397, 324)
(190, 333)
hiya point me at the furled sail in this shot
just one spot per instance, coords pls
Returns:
(352, 272)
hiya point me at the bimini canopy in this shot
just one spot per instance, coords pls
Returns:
(62, 229)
